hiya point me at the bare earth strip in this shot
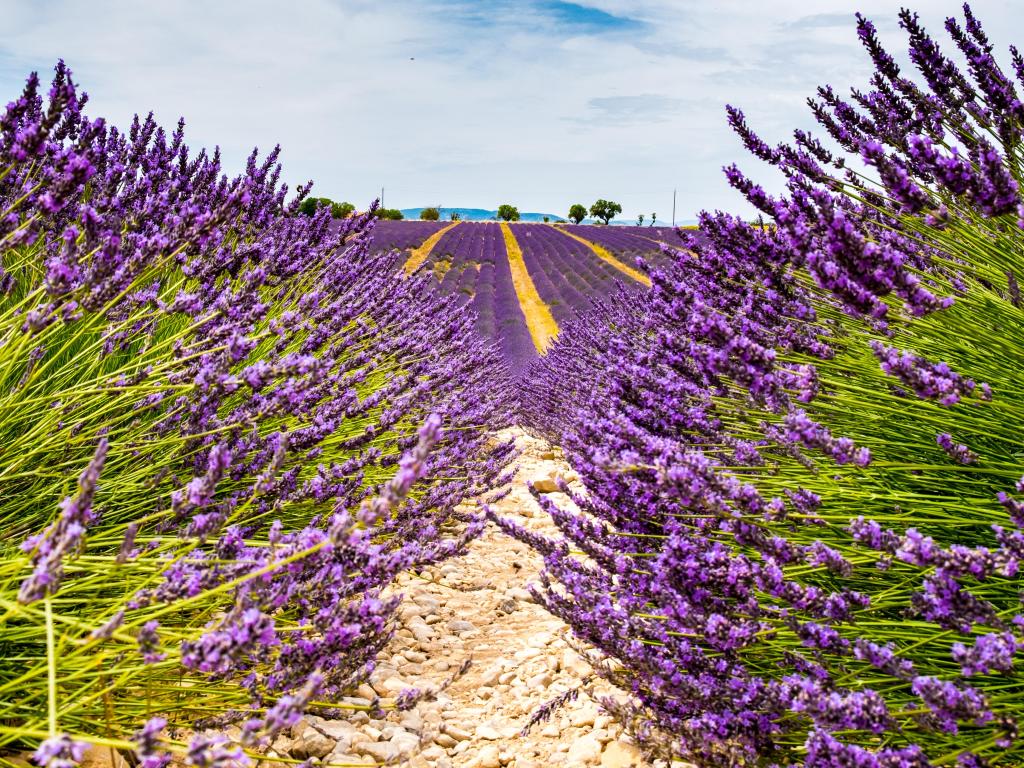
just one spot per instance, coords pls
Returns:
(418, 255)
(605, 255)
(539, 320)
(479, 608)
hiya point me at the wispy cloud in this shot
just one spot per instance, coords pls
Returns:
(470, 102)
(631, 110)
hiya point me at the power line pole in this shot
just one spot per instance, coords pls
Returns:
(673, 207)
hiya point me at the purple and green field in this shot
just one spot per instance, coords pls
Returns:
(470, 259)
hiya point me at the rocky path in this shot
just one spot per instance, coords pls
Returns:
(478, 608)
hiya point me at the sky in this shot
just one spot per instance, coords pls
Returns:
(473, 103)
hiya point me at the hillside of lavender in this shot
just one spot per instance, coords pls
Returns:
(263, 469)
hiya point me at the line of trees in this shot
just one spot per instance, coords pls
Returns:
(343, 209)
(338, 210)
(602, 210)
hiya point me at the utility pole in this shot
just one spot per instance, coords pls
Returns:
(673, 207)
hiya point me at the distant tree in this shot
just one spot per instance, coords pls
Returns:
(342, 210)
(640, 220)
(455, 216)
(430, 214)
(654, 218)
(605, 210)
(389, 213)
(310, 205)
(508, 212)
(546, 219)
(577, 213)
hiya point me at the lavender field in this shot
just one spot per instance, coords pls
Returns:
(292, 481)
(470, 262)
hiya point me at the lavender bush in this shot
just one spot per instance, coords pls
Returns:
(802, 533)
(224, 428)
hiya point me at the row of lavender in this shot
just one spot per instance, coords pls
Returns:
(470, 262)
(803, 523)
(266, 425)
(567, 274)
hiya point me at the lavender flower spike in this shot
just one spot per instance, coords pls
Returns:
(412, 467)
(63, 536)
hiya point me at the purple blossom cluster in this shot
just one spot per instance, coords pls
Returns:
(771, 552)
(272, 423)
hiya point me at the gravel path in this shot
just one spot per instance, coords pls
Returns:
(478, 608)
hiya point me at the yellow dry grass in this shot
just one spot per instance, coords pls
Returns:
(539, 320)
(418, 255)
(605, 255)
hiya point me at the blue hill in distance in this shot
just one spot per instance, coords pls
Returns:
(479, 214)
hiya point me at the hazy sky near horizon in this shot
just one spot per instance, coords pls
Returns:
(540, 103)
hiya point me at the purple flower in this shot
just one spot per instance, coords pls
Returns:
(147, 743)
(992, 652)
(933, 381)
(956, 451)
(60, 752)
(215, 752)
(64, 536)
(149, 643)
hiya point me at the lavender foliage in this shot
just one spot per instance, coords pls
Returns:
(266, 421)
(800, 538)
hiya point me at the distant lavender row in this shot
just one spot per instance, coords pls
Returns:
(403, 235)
(640, 242)
(668, 235)
(567, 273)
(471, 259)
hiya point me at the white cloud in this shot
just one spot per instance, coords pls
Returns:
(470, 102)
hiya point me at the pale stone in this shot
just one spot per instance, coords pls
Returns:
(455, 732)
(545, 485)
(366, 692)
(583, 716)
(348, 758)
(445, 740)
(541, 681)
(572, 663)
(527, 653)
(585, 750)
(491, 676)
(620, 754)
(394, 685)
(489, 757)
(518, 593)
(312, 743)
(381, 751)
(102, 757)
(487, 732)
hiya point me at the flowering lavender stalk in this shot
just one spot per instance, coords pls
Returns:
(60, 752)
(64, 536)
